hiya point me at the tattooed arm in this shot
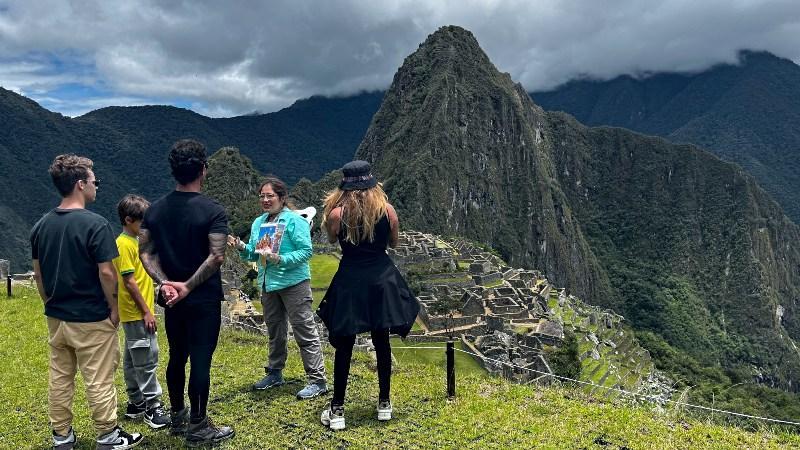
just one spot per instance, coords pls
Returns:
(149, 257)
(216, 256)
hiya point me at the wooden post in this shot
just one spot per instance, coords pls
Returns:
(451, 370)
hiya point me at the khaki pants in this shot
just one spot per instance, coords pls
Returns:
(92, 347)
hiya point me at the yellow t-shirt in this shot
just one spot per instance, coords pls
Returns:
(128, 263)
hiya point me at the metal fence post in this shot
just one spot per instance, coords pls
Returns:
(8, 286)
(451, 370)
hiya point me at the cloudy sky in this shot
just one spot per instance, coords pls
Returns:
(236, 57)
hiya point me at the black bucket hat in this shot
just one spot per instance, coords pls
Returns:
(357, 175)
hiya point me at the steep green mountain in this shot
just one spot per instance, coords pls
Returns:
(745, 113)
(129, 147)
(681, 243)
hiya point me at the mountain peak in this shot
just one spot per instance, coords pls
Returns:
(447, 47)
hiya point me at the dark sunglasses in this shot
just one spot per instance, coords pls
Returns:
(96, 183)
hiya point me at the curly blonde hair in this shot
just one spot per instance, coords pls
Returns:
(361, 211)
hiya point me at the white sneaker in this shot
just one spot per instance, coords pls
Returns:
(333, 418)
(64, 442)
(384, 410)
(118, 439)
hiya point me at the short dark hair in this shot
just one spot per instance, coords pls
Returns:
(67, 169)
(187, 158)
(132, 206)
(280, 188)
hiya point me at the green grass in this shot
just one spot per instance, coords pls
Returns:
(486, 413)
(323, 267)
(435, 359)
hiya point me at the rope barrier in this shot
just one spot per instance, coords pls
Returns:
(650, 397)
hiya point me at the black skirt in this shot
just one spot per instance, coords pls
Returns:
(368, 295)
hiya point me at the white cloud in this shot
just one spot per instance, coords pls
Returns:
(240, 56)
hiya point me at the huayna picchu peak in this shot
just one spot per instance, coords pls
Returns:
(684, 245)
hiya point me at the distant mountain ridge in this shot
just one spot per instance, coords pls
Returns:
(678, 241)
(129, 146)
(747, 113)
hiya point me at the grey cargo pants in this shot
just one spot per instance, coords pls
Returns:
(293, 305)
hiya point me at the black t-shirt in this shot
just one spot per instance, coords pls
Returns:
(69, 244)
(179, 225)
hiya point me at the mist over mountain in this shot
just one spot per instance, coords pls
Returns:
(683, 244)
(747, 113)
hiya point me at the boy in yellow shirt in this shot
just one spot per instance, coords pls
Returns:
(136, 313)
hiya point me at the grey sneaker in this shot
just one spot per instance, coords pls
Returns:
(179, 421)
(205, 432)
(118, 439)
(273, 378)
(384, 410)
(333, 417)
(312, 390)
(64, 442)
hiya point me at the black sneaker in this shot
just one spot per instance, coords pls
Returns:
(205, 432)
(156, 417)
(118, 439)
(179, 421)
(135, 410)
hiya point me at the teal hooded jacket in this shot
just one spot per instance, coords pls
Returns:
(295, 252)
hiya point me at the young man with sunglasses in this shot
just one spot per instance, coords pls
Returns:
(73, 250)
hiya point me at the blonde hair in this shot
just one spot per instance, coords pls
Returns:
(361, 211)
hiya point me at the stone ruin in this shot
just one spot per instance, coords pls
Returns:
(509, 317)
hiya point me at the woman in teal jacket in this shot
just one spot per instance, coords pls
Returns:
(284, 280)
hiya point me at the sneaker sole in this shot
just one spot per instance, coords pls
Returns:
(153, 425)
(383, 417)
(306, 397)
(337, 425)
(195, 444)
(66, 446)
(258, 388)
(129, 445)
(134, 416)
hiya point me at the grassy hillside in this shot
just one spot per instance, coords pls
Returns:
(487, 412)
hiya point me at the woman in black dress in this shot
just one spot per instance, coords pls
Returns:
(367, 293)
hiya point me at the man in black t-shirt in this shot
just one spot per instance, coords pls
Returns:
(72, 251)
(182, 246)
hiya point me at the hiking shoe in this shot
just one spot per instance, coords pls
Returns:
(333, 417)
(273, 378)
(135, 410)
(156, 417)
(64, 442)
(312, 390)
(205, 432)
(179, 422)
(384, 410)
(118, 439)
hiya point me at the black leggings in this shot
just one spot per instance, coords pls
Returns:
(192, 332)
(341, 364)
